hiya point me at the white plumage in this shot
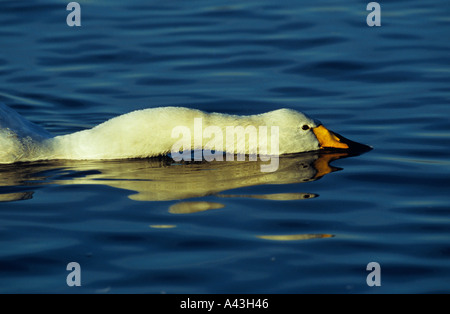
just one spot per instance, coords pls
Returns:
(145, 133)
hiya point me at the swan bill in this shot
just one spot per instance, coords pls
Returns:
(328, 139)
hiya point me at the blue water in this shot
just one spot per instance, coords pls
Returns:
(144, 225)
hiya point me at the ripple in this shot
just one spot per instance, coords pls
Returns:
(159, 81)
(162, 226)
(294, 237)
(297, 91)
(193, 207)
(242, 63)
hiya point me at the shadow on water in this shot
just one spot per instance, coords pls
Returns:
(162, 179)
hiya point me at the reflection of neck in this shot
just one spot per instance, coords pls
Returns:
(158, 181)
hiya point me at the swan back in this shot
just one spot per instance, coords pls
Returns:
(150, 132)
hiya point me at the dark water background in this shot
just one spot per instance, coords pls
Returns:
(386, 86)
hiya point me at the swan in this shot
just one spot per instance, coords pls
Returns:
(148, 133)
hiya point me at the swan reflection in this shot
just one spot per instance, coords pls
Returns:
(162, 179)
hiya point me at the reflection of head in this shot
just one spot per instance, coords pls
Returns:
(160, 179)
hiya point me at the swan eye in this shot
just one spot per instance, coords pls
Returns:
(305, 127)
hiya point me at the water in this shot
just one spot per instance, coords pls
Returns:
(157, 227)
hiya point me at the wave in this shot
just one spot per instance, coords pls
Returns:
(20, 139)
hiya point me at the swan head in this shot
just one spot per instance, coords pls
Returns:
(300, 133)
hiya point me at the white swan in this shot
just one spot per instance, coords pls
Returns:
(148, 133)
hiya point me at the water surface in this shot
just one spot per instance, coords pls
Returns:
(155, 226)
